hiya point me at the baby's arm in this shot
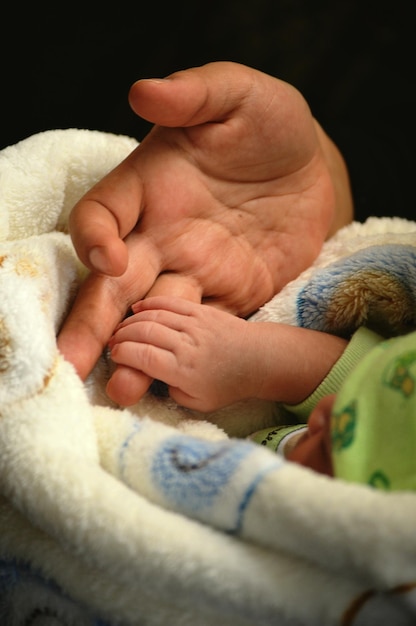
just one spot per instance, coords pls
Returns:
(210, 358)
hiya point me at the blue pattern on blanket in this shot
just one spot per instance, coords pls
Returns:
(211, 481)
(124, 449)
(375, 287)
(28, 598)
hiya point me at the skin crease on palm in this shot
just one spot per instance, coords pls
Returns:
(228, 198)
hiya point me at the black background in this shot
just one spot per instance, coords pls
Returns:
(66, 67)
(72, 65)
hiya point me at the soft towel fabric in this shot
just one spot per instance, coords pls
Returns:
(156, 515)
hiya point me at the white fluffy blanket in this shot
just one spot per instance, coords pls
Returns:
(152, 517)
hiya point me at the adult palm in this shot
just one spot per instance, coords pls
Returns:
(228, 198)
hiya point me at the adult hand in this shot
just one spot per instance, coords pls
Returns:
(228, 198)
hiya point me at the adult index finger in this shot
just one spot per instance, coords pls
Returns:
(103, 301)
(104, 216)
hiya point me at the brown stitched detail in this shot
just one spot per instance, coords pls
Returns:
(47, 378)
(404, 588)
(5, 346)
(356, 605)
(49, 375)
(25, 267)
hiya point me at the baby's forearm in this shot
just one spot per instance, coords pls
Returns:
(291, 362)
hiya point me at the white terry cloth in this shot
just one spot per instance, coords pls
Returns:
(155, 515)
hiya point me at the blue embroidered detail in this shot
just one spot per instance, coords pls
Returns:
(137, 427)
(211, 481)
(247, 497)
(191, 472)
(9, 575)
(25, 592)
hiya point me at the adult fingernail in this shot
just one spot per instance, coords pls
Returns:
(99, 261)
(155, 81)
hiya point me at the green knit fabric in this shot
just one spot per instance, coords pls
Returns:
(362, 342)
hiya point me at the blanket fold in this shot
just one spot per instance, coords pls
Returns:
(156, 515)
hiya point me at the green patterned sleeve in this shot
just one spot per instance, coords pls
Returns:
(362, 341)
